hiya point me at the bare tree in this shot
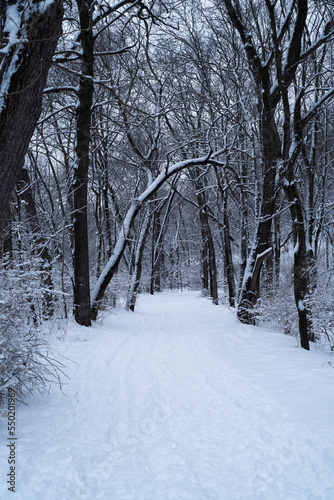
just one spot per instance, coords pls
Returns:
(273, 61)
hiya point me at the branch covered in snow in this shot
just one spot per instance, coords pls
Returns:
(109, 270)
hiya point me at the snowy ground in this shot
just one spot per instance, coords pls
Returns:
(178, 401)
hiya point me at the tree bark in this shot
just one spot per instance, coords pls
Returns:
(300, 263)
(251, 290)
(209, 257)
(82, 309)
(135, 281)
(157, 263)
(228, 254)
(226, 241)
(23, 73)
(209, 266)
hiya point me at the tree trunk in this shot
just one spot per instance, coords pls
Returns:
(205, 263)
(245, 308)
(82, 306)
(269, 95)
(157, 253)
(300, 263)
(277, 250)
(271, 151)
(209, 257)
(135, 281)
(226, 241)
(209, 266)
(228, 254)
(112, 265)
(23, 73)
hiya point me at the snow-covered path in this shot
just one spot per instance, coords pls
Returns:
(179, 401)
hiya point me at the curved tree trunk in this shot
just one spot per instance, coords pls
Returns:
(111, 267)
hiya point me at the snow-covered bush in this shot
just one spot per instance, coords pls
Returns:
(322, 306)
(25, 359)
(277, 308)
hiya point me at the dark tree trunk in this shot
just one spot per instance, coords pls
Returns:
(209, 266)
(23, 73)
(271, 150)
(228, 254)
(300, 263)
(277, 250)
(264, 75)
(205, 263)
(209, 257)
(226, 240)
(135, 281)
(250, 296)
(157, 267)
(82, 305)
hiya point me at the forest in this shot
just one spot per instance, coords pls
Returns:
(155, 145)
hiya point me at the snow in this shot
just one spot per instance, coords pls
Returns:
(296, 247)
(15, 36)
(178, 401)
(12, 25)
(301, 306)
(265, 252)
(6, 78)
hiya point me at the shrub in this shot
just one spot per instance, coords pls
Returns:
(27, 361)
